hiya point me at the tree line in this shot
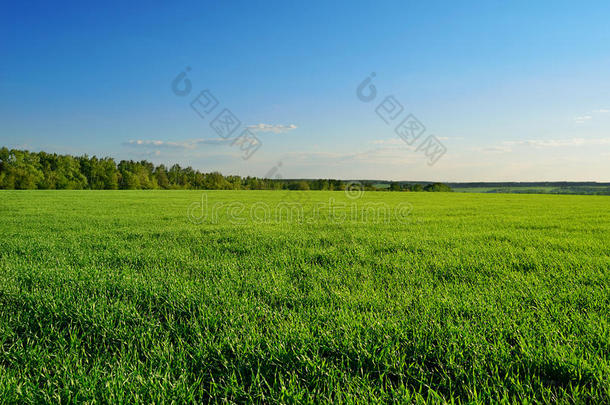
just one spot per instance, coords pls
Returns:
(24, 170)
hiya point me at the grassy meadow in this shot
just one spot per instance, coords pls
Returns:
(571, 189)
(122, 296)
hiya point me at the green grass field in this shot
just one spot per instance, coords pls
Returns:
(574, 189)
(114, 296)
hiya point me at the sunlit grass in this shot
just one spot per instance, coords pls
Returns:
(120, 296)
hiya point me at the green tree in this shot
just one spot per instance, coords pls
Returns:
(104, 175)
(175, 176)
(215, 181)
(414, 187)
(160, 175)
(22, 170)
(437, 187)
(128, 176)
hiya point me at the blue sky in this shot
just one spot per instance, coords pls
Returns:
(513, 91)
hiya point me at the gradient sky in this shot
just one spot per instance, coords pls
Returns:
(515, 91)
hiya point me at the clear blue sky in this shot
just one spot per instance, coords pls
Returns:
(513, 90)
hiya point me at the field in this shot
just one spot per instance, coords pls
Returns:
(571, 189)
(528, 190)
(119, 296)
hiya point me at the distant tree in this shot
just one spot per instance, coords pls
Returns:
(298, 185)
(144, 171)
(129, 181)
(161, 178)
(105, 175)
(416, 187)
(128, 178)
(67, 173)
(175, 176)
(215, 181)
(4, 169)
(21, 170)
(438, 187)
(235, 182)
(303, 185)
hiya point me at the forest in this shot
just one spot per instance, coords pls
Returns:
(24, 170)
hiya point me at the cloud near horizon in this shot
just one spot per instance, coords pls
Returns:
(189, 144)
(581, 119)
(554, 143)
(275, 128)
(506, 146)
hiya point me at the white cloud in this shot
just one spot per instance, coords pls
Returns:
(391, 141)
(582, 119)
(378, 156)
(553, 143)
(399, 142)
(148, 153)
(275, 128)
(188, 144)
(496, 149)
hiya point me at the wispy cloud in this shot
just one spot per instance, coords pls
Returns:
(554, 143)
(188, 144)
(275, 128)
(391, 141)
(496, 149)
(508, 146)
(399, 142)
(581, 119)
(384, 155)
